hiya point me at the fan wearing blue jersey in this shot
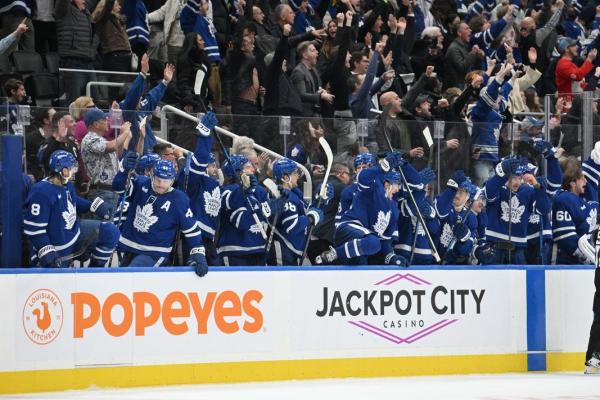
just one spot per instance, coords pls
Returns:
(244, 209)
(290, 230)
(51, 224)
(512, 196)
(574, 215)
(458, 222)
(367, 229)
(157, 211)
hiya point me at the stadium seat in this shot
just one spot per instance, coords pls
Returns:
(27, 62)
(52, 61)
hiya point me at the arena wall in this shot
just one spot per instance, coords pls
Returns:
(80, 328)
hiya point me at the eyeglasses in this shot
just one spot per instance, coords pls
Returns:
(91, 106)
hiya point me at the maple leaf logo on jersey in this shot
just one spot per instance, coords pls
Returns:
(447, 235)
(515, 210)
(383, 220)
(212, 202)
(534, 218)
(591, 219)
(256, 228)
(70, 216)
(144, 218)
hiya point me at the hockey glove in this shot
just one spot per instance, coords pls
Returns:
(197, 260)
(427, 175)
(392, 161)
(485, 253)
(101, 208)
(129, 161)
(328, 194)
(510, 165)
(426, 210)
(457, 178)
(544, 147)
(315, 215)
(48, 257)
(276, 206)
(396, 259)
(250, 182)
(207, 124)
(461, 232)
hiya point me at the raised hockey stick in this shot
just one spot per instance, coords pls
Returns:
(272, 187)
(434, 251)
(246, 199)
(322, 193)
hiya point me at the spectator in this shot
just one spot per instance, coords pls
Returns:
(515, 100)
(168, 152)
(12, 14)
(459, 59)
(569, 76)
(116, 51)
(42, 130)
(45, 27)
(173, 36)
(307, 81)
(61, 139)
(101, 156)
(15, 93)
(75, 36)
(8, 41)
(193, 73)
(77, 109)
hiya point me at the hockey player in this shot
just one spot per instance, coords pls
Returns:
(51, 224)
(368, 227)
(458, 222)
(292, 221)
(203, 190)
(574, 214)
(541, 222)
(509, 205)
(244, 206)
(145, 164)
(361, 161)
(156, 212)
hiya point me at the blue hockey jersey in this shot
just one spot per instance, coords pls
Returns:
(204, 191)
(292, 224)
(449, 217)
(512, 210)
(346, 200)
(239, 233)
(537, 220)
(51, 216)
(153, 220)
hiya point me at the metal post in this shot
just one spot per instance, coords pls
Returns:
(587, 120)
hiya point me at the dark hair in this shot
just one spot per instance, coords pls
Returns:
(356, 57)
(39, 115)
(159, 148)
(10, 85)
(57, 117)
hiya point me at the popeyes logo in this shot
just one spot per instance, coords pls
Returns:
(178, 313)
(42, 316)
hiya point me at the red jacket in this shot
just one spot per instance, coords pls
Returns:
(565, 69)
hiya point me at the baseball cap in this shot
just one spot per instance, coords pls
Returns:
(92, 115)
(564, 43)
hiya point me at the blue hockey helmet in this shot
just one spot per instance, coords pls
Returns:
(365, 158)
(234, 164)
(62, 159)
(164, 169)
(392, 177)
(211, 159)
(298, 154)
(146, 161)
(283, 166)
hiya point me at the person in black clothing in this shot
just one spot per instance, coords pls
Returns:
(61, 139)
(340, 178)
(40, 130)
(191, 61)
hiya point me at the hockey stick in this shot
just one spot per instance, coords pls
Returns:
(434, 251)
(322, 192)
(241, 183)
(272, 187)
(178, 248)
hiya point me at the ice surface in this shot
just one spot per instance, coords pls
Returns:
(531, 386)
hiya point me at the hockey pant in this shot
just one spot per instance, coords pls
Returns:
(532, 252)
(281, 255)
(517, 256)
(594, 342)
(97, 242)
(354, 244)
(245, 260)
(144, 260)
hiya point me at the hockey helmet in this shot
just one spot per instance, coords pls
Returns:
(164, 169)
(211, 159)
(234, 164)
(62, 159)
(365, 158)
(283, 166)
(146, 161)
(392, 177)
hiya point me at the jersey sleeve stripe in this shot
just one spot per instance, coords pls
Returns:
(33, 233)
(35, 223)
(565, 236)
